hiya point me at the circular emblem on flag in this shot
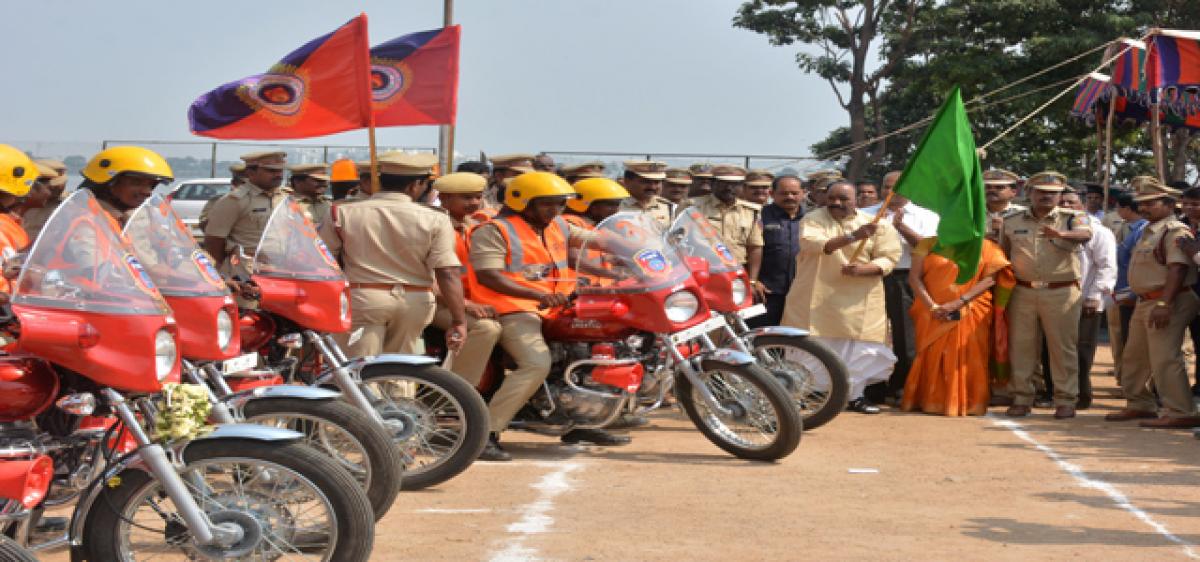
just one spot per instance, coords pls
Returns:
(389, 80)
(140, 277)
(207, 270)
(282, 94)
(652, 262)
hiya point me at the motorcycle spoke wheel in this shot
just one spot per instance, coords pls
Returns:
(429, 423)
(750, 422)
(328, 438)
(807, 379)
(284, 516)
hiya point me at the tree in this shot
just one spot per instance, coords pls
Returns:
(846, 33)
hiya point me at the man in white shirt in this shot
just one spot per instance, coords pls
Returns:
(1098, 261)
(913, 224)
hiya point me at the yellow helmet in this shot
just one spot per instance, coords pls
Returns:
(17, 171)
(595, 189)
(109, 163)
(531, 185)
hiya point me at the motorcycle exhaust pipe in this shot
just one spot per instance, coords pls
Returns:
(26, 481)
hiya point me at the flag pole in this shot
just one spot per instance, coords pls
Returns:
(1108, 148)
(446, 132)
(374, 154)
(878, 216)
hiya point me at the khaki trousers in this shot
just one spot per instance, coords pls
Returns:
(1159, 353)
(1056, 311)
(482, 335)
(521, 338)
(391, 319)
(1113, 313)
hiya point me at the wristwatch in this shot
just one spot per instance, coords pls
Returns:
(1161, 304)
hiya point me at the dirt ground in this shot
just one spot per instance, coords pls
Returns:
(894, 486)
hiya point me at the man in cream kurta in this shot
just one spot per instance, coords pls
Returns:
(842, 302)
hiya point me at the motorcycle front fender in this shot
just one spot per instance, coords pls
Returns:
(238, 400)
(786, 331)
(357, 365)
(730, 356)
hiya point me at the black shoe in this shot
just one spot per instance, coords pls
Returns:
(1043, 403)
(863, 406)
(595, 437)
(628, 420)
(493, 452)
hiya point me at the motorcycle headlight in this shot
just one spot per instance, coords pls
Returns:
(681, 306)
(344, 302)
(738, 288)
(224, 329)
(165, 354)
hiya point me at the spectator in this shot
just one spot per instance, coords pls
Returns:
(1127, 238)
(781, 244)
(868, 194)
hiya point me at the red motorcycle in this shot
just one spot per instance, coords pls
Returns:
(95, 337)
(814, 375)
(436, 420)
(639, 315)
(205, 316)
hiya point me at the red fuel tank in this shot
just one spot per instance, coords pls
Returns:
(27, 387)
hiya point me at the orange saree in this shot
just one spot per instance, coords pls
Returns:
(950, 375)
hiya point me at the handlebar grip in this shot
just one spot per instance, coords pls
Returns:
(570, 299)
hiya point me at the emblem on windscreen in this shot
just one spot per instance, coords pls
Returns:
(652, 262)
(724, 253)
(140, 276)
(325, 253)
(207, 270)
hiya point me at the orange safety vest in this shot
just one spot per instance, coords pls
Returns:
(529, 252)
(462, 247)
(579, 220)
(12, 230)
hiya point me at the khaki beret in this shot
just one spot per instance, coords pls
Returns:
(316, 171)
(759, 178)
(700, 170)
(823, 174)
(593, 169)
(271, 159)
(460, 182)
(45, 171)
(729, 172)
(1149, 189)
(400, 163)
(237, 168)
(822, 183)
(647, 169)
(515, 161)
(1048, 181)
(1000, 177)
(56, 165)
(678, 176)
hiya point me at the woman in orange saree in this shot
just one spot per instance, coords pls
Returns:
(955, 334)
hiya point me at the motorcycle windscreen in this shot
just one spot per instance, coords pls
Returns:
(297, 274)
(695, 237)
(169, 253)
(627, 253)
(85, 302)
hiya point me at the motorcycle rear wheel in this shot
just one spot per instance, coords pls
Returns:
(814, 375)
(442, 422)
(772, 423)
(345, 434)
(259, 474)
(10, 551)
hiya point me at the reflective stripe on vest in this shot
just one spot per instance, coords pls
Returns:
(516, 250)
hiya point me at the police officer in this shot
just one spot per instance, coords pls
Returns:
(998, 190)
(343, 179)
(757, 188)
(575, 172)
(17, 175)
(1041, 243)
(392, 249)
(644, 180)
(676, 187)
(461, 194)
(237, 178)
(309, 183)
(1161, 275)
(239, 217)
(520, 262)
(599, 198)
(736, 220)
(701, 180)
(34, 219)
(505, 167)
(123, 177)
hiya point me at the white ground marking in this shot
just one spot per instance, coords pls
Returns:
(1111, 491)
(536, 518)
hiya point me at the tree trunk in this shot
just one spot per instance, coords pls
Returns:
(858, 133)
(1180, 156)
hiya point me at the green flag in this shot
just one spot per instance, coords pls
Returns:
(945, 177)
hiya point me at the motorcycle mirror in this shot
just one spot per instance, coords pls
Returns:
(291, 341)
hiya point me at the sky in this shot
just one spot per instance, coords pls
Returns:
(565, 75)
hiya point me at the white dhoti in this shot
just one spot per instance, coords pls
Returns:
(866, 362)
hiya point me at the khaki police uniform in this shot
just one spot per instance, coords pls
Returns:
(316, 207)
(482, 333)
(1003, 178)
(1151, 353)
(241, 215)
(1047, 299)
(575, 172)
(504, 167)
(737, 222)
(389, 247)
(659, 208)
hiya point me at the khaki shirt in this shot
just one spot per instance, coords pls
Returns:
(659, 209)
(1146, 274)
(241, 215)
(316, 208)
(1009, 211)
(118, 215)
(34, 219)
(825, 301)
(739, 223)
(1036, 258)
(387, 238)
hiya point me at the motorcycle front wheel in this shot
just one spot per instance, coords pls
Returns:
(760, 422)
(349, 436)
(10, 551)
(288, 501)
(439, 422)
(812, 373)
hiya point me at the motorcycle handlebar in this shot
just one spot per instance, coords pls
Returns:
(570, 300)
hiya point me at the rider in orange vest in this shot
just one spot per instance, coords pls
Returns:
(461, 194)
(17, 176)
(520, 262)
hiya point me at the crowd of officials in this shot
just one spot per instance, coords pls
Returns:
(481, 252)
